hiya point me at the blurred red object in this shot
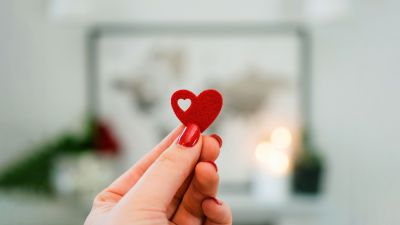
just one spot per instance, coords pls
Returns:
(105, 141)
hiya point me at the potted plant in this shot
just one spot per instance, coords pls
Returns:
(308, 169)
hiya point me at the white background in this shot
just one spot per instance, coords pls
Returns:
(356, 91)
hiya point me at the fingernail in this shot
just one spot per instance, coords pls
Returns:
(214, 164)
(189, 136)
(218, 138)
(216, 200)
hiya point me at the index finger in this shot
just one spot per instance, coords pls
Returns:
(128, 179)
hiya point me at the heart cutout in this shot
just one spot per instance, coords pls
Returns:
(203, 109)
(184, 104)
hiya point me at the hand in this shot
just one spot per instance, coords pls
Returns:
(176, 183)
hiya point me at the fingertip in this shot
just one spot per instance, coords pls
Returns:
(206, 172)
(217, 138)
(212, 202)
(190, 136)
(217, 211)
(216, 200)
(210, 149)
(214, 165)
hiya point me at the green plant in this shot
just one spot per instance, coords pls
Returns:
(33, 172)
(308, 170)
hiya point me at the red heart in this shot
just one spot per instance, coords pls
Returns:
(203, 109)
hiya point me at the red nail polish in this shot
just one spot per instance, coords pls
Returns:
(218, 138)
(216, 200)
(189, 136)
(214, 164)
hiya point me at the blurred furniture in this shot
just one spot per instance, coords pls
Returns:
(249, 210)
(26, 209)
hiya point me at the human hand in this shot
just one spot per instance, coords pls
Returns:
(175, 183)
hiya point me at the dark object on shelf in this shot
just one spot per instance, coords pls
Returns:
(308, 170)
(105, 141)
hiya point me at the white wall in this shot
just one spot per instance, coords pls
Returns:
(356, 95)
(41, 77)
(356, 111)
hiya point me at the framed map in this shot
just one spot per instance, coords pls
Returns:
(260, 71)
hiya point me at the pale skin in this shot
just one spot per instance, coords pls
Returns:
(172, 184)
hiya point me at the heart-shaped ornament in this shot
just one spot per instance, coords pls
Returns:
(203, 109)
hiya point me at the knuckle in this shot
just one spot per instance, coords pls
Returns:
(172, 162)
(168, 160)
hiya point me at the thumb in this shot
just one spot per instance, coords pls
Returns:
(158, 185)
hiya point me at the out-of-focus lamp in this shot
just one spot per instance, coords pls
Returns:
(272, 157)
(275, 161)
(281, 137)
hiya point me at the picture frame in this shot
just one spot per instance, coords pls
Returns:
(259, 32)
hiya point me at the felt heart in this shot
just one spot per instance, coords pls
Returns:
(203, 109)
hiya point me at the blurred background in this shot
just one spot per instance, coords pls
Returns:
(310, 103)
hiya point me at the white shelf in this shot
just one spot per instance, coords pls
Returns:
(249, 209)
(27, 209)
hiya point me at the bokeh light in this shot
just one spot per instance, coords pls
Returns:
(281, 137)
(272, 159)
